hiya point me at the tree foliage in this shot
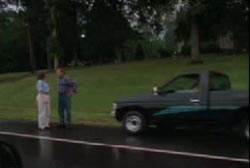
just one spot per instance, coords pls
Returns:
(13, 51)
(107, 30)
(46, 31)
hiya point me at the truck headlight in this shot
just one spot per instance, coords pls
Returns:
(114, 108)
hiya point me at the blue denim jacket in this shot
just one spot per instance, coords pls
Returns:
(64, 85)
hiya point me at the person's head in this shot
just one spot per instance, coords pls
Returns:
(42, 75)
(60, 72)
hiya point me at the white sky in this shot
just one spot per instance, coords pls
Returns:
(13, 7)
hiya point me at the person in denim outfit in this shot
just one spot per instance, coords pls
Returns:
(66, 90)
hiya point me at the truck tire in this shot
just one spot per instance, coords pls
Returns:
(9, 157)
(134, 123)
(245, 129)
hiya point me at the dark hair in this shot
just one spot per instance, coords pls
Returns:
(41, 76)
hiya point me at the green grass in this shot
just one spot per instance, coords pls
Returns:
(100, 86)
(11, 76)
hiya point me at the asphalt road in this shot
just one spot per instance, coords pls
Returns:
(96, 147)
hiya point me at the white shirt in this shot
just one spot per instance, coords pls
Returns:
(43, 87)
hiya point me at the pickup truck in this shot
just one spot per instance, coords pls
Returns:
(203, 100)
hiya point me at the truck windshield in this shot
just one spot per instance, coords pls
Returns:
(219, 82)
(184, 83)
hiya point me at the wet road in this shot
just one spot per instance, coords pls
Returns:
(96, 147)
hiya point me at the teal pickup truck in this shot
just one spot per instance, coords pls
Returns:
(189, 100)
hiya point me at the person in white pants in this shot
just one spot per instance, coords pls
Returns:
(43, 101)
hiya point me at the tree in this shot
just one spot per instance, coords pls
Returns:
(13, 51)
(107, 30)
(63, 42)
(198, 20)
(210, 19)
(54, 27)
(34, 17)
(140, 55)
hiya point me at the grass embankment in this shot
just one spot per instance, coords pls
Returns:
(12, 77)
(100, 86)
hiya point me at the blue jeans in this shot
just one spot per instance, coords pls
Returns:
(64, 109)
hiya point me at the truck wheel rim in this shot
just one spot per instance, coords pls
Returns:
(133, 123)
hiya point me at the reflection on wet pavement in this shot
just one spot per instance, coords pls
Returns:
(45, 148)
(43, 153)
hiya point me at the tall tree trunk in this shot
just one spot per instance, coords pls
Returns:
(49, 58)
(123, 57)
(49, 61)
(77, 36)
(54, 36)
(31, 51)
(76, 61)
(195, 43)
(56, 62)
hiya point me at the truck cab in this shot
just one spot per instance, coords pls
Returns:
(189, 100)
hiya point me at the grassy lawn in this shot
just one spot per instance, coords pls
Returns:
(100, 86)
(12, 76)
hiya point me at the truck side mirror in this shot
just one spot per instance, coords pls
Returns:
(156, 90)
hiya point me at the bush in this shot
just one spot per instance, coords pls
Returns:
(165, 53)
(209, 47)
(140, 55)
(186, 50)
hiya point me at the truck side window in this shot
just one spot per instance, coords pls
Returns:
(184, 83)
(219, 82)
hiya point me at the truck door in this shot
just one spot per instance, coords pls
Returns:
(185, 101)
(221, 107)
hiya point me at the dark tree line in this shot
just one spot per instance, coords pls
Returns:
(48, 33)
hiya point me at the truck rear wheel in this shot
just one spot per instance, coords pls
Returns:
(134, 123)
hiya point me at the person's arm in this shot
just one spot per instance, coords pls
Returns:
(70, 82)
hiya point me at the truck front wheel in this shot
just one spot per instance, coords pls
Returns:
(134, 123)
(245, 129)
